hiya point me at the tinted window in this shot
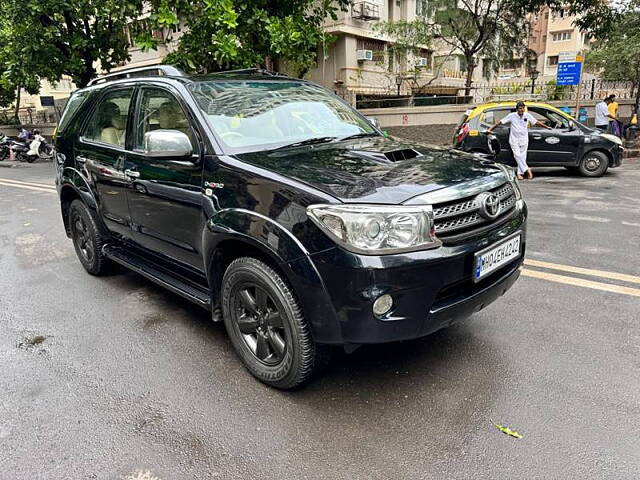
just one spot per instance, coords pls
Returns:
(550, 118)
(161, 110)
(73, 104)
(109, 122)
(251, 113)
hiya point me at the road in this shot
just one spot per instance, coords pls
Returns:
(115, 378)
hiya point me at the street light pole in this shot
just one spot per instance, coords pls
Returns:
(534, 76)
(398, 83)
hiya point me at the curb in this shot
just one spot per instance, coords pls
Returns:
(8, 164)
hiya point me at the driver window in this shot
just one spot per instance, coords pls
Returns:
(552, 119)
(160, 110)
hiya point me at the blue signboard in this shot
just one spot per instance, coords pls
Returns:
(568, 73)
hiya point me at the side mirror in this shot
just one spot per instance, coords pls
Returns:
(374, 121)
(167, 143)
(493, 144)
(572, 125)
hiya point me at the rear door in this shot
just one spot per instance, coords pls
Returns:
(558, 146)
(489, 118)
(165, 194)
(101, 150)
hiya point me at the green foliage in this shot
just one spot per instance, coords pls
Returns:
(225, 34)
(67, 37)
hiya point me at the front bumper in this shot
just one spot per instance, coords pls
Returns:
(617, 153)
(431, 289)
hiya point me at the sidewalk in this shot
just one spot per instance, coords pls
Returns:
(12, 164)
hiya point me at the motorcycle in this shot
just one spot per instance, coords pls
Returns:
(5, 143)
(39, 148)
(20, 150)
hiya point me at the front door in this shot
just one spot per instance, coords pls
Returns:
(558, 146)
(165, 194)
(100, 152)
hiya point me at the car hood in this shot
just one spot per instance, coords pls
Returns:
(374, 169)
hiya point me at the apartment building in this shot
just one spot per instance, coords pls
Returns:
(553, 32)
(360, 61)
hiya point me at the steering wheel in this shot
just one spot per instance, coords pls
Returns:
(231, 134)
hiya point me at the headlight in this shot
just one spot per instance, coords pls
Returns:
(377, 229)
(613, 138)
(511, 176)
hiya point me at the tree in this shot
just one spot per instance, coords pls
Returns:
(69, 37)
(495, 30)
(617, 56)
(225, 34)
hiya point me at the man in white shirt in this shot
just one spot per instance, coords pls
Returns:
(602, 114)
(519, 136)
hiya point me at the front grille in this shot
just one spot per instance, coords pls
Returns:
(462, 216)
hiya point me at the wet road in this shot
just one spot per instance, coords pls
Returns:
(115, 378)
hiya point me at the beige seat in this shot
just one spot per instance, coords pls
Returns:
(112, 125)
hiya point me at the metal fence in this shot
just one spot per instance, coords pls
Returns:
(485, 92)
(588, 90)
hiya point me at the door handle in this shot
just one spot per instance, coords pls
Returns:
(131, 173)
(536, 137)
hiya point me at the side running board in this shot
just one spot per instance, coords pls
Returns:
(157, 274)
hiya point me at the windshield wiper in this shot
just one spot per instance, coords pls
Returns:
(308, 141)
(359, 135)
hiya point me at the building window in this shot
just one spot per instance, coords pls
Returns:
(562, 13)
(421, 8)
(561, 36)
(552, 61)
(376, 46)
(544, 38)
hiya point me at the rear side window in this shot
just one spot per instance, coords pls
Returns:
(73, 104)
(109, 122)
(491, 117)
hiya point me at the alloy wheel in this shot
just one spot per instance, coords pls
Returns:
(260, 323)
(82, 237)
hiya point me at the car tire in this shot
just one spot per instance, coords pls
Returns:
(593, 164)
(87, 239)
(266, 326)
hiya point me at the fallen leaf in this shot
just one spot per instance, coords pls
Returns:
(507, 430)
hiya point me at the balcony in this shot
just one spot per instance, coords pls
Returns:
(365, 11)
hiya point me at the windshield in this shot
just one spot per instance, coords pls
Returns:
(246, 114)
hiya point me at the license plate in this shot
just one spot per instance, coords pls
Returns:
(489, 260)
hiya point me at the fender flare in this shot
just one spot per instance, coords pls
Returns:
(74, 180)
(282, 248)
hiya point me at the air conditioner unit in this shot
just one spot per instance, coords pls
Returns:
(364, 55)
(422, 62)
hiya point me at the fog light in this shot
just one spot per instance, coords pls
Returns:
(382, 304)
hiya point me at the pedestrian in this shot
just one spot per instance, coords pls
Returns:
(602, 114)
(519, 136)
(614, 123)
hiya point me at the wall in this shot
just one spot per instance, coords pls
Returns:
(450, 114)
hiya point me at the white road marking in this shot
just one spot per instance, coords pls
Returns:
(28, 187)
(588, 218)
(631, 224)
(32, 184)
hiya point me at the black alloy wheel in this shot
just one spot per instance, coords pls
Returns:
(266, 325)
(594, 164)
(87, 240)
(260, 323)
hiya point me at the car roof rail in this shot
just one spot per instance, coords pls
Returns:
(260, 71)
(151, 71)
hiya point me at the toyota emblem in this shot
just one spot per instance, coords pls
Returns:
(489, 205)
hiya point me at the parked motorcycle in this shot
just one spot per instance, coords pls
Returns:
(39, 148)
(20, 150)
(5, 143)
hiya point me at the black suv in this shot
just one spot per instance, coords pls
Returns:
(273, 204)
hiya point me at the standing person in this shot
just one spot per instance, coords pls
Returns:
(602, 114)
(519, 136)
(614, 124)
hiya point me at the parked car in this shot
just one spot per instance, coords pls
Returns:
(569, 144)
(276, 206)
